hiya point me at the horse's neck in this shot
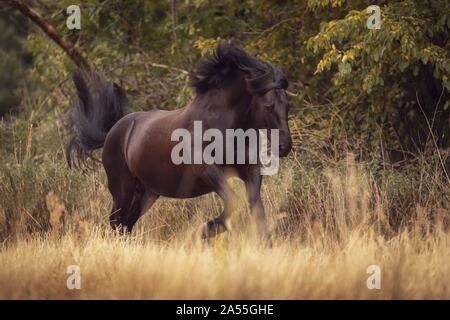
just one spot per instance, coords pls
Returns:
(217, 109)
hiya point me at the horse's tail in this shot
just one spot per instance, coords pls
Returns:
(95, 110)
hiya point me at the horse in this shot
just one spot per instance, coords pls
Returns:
(233, 90)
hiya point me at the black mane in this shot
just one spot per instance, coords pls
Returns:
(221, 66)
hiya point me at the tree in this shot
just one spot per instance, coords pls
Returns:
(13, 60)
(386, 87)
(50, 30)
(396, 78)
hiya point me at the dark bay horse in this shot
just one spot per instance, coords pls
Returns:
(233, 90)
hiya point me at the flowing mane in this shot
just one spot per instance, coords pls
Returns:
(215, 70)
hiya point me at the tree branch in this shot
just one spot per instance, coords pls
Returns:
(51, 31)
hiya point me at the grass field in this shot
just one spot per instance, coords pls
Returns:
(329, 223)
(112, 268)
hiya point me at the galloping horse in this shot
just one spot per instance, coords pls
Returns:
(234, 90)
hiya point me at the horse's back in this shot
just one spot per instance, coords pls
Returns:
(119, 137)
(122, 130)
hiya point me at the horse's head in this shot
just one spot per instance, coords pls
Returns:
(270, 105)
(263, 85)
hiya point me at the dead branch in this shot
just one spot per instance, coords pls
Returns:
(51, 31)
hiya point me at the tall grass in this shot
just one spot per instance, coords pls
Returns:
(331, 217)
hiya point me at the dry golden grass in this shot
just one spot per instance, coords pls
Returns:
(112, 268)
(322, 252)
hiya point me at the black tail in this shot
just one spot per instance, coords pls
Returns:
(94, 112)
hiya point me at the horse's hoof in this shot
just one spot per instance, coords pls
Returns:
(212, 228)
(203, 231)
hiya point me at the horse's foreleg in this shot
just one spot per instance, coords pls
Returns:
(253, 187)
(221, 223)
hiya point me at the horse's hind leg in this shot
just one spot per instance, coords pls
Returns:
(130, 199)
(122, 186)
(142, 202)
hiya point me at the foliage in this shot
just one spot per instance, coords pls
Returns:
(387, 88)
(13, 60)
(394, 77)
